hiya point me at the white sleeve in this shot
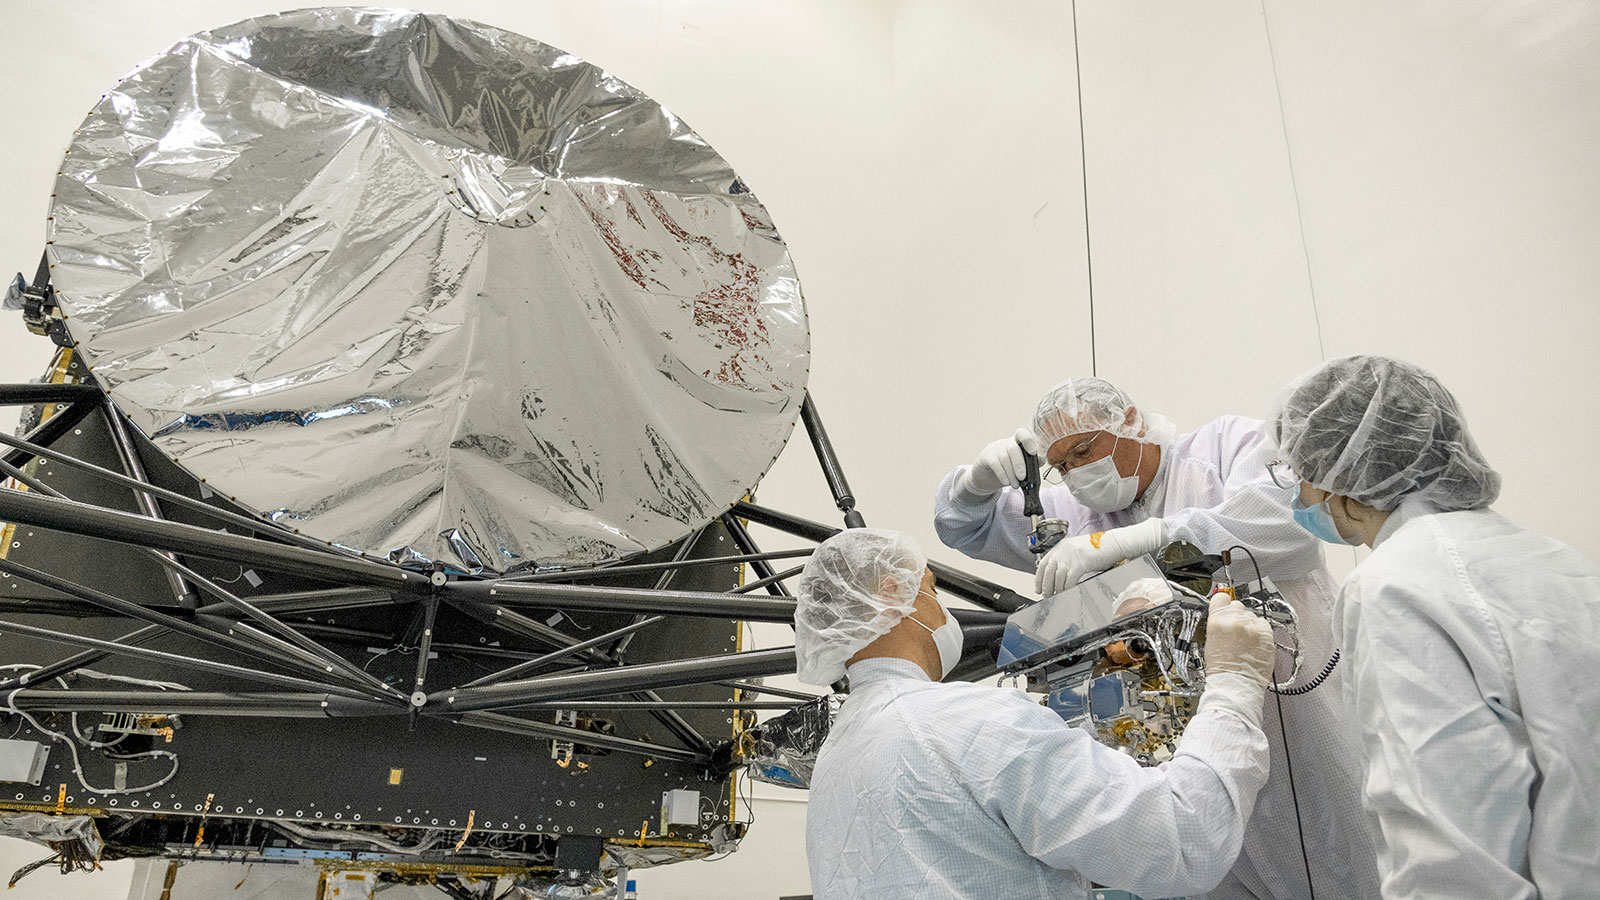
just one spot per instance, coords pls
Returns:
(1449, 771)
(1076, 804)
(1254, 511)
(991, 528)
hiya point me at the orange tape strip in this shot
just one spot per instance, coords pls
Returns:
(201, 834)
(471, 815)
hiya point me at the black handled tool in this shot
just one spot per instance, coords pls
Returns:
(1046, 533)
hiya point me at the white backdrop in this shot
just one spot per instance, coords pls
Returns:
(1268, 184)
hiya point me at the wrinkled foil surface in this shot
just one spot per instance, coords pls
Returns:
(428, 289)
(42, 828)
(784, 748)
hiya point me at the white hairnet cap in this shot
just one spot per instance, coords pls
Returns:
(1378, 430)
(1078, 405)
(856, 586)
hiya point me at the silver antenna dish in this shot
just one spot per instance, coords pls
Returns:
(428, 289)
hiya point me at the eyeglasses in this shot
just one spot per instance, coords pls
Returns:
(1056, 473)
(1283, 475)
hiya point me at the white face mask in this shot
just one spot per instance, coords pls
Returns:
(947, 638)
(1101, 487)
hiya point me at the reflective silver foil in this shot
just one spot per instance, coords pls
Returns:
(784, 748)
(428, 289)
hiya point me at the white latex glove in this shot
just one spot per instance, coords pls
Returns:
(1000, 465)
(1084, 554)
(1239, 642)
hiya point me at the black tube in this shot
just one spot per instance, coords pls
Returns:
(135, 611)
(984, 593)
(980, 591)
(52, 430)
(970, 618)
(430, 613)
(93, 521)
(784, 522)
(978, 656)
(47, 606)
(625, 705)
(173, 659)
(829, 461)
(180, 576)
(74, 663)
(516, 623)
(981, 636)
(30, 394)
(632, 569)
(203, 703)
(307, 601)
(523, 668)
(621, 680)
(129, 454)
(976, 665)
(677, 724)
(259, 526)
(281, 629)
(768, 689)
(742, 539)
(770, 579)
(372, 638)
(663, 581)
(620, 599)
(272, 644)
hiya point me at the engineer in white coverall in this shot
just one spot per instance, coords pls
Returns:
(1131, 484)
(932, 791)
(1472, 643)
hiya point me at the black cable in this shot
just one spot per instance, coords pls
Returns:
(1253, 564)
(1283, 732)
(1083, 159)
(1299, 828)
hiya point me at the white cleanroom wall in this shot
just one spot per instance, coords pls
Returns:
(1267, 184)
(1445, 156)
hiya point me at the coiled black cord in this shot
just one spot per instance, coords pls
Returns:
(1313, 684)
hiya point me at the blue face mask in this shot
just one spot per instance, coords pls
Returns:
(1318, 520)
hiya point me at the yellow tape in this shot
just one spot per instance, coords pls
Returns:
(201, 834)
(471, 814)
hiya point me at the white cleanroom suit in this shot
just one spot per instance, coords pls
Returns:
(934, 791)
(1473, 646)
(1213, 490)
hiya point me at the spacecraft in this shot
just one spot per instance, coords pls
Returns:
(387, 505)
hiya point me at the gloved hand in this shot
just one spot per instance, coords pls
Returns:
(1084, 554)
(1001, 464)
(1238, 641)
